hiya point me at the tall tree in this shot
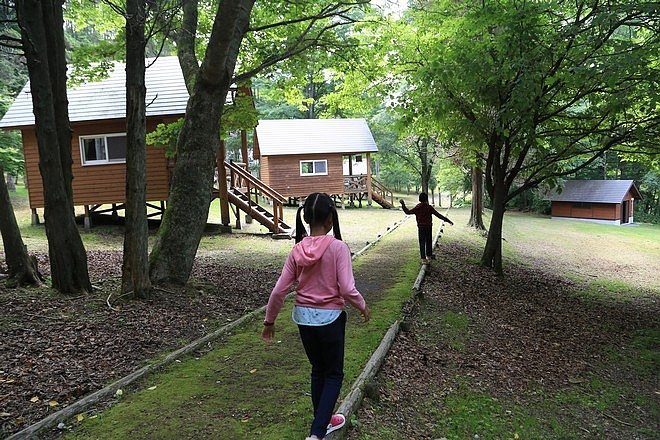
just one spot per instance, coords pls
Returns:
(539, 85)
(135, 266)
(477, 208)
(173, 254)
(22, 269)
(42, 31)
(181, 230)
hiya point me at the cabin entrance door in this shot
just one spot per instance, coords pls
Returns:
(624, 212)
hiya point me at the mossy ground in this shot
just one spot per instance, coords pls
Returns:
(242, 387)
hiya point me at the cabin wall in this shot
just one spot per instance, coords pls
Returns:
(97, 184)
(282, 173)
(597, 211)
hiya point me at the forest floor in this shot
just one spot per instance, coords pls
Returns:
(537, 354)
(57, 349)
(549, 351)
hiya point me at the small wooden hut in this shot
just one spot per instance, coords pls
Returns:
(301, 156)
(604, 201)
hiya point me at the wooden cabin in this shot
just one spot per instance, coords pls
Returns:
(603, 201)
(97, 114)
(301, 156)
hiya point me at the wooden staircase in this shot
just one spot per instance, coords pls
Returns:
(381, 194)
(356, 186)
(243, 191)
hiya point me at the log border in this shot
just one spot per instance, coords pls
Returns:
(66, 413)
(351, 403)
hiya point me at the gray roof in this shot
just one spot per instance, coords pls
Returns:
(595, 191)
(310, 136)
(106, 99)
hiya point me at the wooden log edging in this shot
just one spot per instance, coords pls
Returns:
(83, 404)
(353, 399)
(388, 231)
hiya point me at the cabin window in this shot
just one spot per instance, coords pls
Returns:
(358, 158)
(103, 149)
(313, 167)
(582, 205)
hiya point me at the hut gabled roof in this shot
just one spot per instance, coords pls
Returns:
(595, 191)
(278, 137)
(106, 99)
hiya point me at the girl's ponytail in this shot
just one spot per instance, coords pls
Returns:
(301, 232)
(335, 223)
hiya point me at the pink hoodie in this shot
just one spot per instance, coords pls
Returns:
(322, 266)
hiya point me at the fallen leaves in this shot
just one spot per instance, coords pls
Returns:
(67, 347)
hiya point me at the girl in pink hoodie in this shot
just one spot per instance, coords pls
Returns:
(321, 264)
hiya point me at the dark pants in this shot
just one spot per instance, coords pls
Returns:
(425, 241)
(324, 346)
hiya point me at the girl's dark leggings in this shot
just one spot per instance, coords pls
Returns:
(324, 346)
(425, 241)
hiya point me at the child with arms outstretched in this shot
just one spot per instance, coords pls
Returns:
(424, 214)
(321, 264)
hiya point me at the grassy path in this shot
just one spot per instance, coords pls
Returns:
(241, 387)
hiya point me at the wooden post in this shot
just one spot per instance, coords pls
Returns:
(86, 220)
(222, 185)
(350, 165)
(244, 150)
(369, 189)
(35, 217)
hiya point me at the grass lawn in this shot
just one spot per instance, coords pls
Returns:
(611, 258)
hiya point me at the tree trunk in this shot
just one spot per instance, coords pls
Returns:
(425, 175)
(185, 41)
(174, 252)
(54, 28)
(22, 270)
(11, 182)
(492, 256)
(68, 259)
(476, 218)
(135, 266)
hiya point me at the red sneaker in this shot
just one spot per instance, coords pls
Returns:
(337, 421)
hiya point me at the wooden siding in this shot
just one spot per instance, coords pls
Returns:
(282, 173)
(95, 184)
(598, 211)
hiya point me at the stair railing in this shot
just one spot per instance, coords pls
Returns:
(382, 190)
(239, 177)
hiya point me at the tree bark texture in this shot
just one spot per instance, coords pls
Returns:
(54, 26)
(185, 41)
(135, 265)
(426, 165)
(476, 211)
(68, 259)
(492, 256)
(174, 252)
(21, 268)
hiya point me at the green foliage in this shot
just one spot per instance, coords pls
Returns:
(240, 115)
(166, 135)
(11, 159)
(451, 177)
(537, 82)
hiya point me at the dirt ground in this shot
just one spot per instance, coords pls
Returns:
(529, 338)
(56, 349)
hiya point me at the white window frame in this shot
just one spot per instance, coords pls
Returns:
(313, 162)
(106, 161)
